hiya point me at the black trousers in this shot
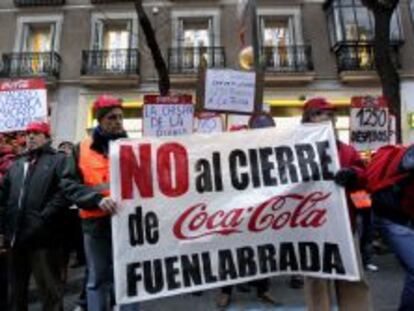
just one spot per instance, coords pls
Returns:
(262, 286)
(45, 265)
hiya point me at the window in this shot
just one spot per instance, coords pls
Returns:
(36, 46)
(38, 38)
(277, 38)
(38, 34)
(350, 21)
(281, 40)
(195, 34)
(195, 39)
(114, 35)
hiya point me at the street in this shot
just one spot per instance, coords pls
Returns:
(386, 288)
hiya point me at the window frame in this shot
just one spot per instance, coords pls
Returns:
(24, 22)
(293, 14)
(336, 7)
(98, 20)
(178, 15)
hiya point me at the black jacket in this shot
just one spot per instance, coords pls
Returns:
(31, 202)
(83, 196)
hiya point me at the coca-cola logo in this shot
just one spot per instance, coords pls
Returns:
(15, 85)
(282, 211)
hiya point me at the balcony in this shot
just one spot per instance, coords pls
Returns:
(110, 67)
(184, 62)
(22, 3)
(32, 65)
(288, 64)
(356, 61)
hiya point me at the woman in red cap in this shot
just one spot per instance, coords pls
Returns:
(353, 296)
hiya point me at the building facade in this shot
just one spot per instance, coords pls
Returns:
(309, 48)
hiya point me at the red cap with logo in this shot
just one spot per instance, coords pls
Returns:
(318, 103)
(38, 127)
(106, 101)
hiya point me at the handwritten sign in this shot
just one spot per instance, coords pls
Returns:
(21, 102)
(230, 90)
(207, 123)
(168, 116)
(369, 123)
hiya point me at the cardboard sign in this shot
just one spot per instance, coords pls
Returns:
(168, 116)
(205, 211)
(369, 123)
(229, 90)
(237, 120)
(206, 123)
(21, 102)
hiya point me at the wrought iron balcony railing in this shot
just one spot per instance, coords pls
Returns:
(31, 64)
(289, 59)
(188, 59)
(38, 2)
(110, 62)
(360, 56)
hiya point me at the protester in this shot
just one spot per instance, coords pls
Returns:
(259, 120)
(32, 205)
(73, 239)
(73, 234)
(392, 198)
(86, 183)
(350, 295)
(7, 156)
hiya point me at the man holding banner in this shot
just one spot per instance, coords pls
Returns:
(351, 295)
(86, 183)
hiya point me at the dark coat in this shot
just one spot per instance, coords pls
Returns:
(32, 204)
(350, 158)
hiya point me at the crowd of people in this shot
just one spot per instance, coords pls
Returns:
(56, 201)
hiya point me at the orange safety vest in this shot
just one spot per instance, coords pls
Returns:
(95, 170)
(361, 199)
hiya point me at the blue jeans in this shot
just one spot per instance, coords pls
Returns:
(99, 287)
(401, 241)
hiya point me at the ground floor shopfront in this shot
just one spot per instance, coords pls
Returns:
(72, 115)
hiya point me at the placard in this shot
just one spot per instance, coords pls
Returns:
(205, 211)
(21, 102)
(230, 90)
(207, 122)
(168, 116)
(369, 123)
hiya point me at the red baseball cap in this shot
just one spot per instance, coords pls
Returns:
(106, 101)
(318, 103)
(38, 127)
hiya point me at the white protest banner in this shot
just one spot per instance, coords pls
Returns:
(168, 116)
(208, 122)
(230, 90)
(369, 123)
(21, 102)
(204, 211)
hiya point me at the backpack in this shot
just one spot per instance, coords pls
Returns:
(386, 182)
